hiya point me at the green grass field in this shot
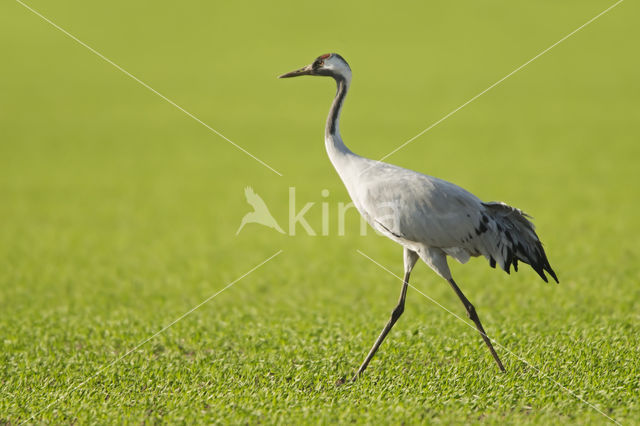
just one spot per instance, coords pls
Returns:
(118, 213)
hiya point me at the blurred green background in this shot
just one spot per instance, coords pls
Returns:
(118, 212)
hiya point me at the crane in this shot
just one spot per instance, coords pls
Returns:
(429, 217)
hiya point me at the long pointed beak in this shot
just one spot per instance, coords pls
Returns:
(302, 71)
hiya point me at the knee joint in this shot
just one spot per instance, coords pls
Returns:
(471, 311)
(397, 312)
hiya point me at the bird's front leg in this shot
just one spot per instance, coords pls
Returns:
(410, 258)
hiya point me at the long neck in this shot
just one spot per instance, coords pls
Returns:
(333, 141)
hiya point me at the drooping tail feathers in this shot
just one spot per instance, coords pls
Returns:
(516, 240)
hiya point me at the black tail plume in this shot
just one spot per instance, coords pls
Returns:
(515, 240)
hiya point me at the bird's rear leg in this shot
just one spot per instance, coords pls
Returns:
(473, 316)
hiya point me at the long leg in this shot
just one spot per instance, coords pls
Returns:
(410, 259)
(471, 311)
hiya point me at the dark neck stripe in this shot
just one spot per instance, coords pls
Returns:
(334, 113)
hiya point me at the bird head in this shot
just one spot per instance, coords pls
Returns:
(328, 65)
